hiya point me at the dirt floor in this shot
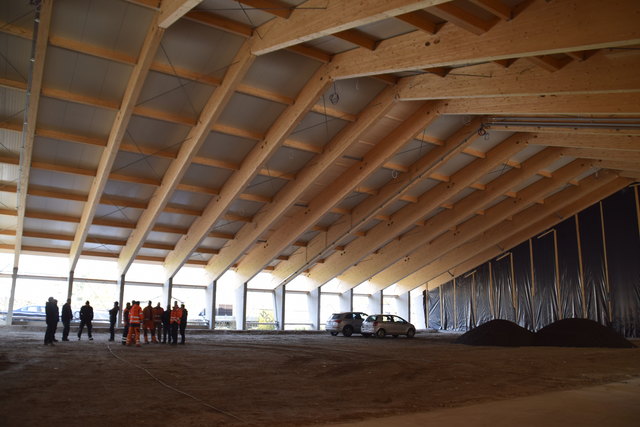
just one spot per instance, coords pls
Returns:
(279, 379)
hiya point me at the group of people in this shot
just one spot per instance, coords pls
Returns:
(53, 316)
(162, 325)
(153, 321)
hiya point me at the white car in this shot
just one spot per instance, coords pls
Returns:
(382, 325)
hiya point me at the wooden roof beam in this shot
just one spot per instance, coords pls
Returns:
(172, 10)
(189, 148)
(520, 79)
(306, 177)
(274, 139)
(310, 23)
(551, 28)
(44, 14)
(421, 20)
(463, 19)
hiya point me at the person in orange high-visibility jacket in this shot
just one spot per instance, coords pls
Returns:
(135, 318)
(147, 324)
(176, 317)
(158, 312)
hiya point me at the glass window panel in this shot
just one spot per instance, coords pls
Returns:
(296, 312)
(261, 312)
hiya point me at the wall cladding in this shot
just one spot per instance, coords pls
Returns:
(587, 266)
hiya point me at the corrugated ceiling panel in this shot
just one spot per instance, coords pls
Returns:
(161, 136)
(66, 153)
(206, 176)
(99, 232)
(94, 21)
(8, 200)
(66, 182)
(455, 164)
(117, 213)
(16, 53)
(175, 220)
(197, 47)
(246, 208)
(250, 113)
(445, 126)
(226, 148)
(421, 186)
(190, 199)
(86, 75)
(174, 95)
(55, 206)
(129, 190)
(75, 118)
(351, 96)
(140, 166)
(265, 186)
(281, 72)
(289, 161)
(47, 226)
(317, 129)
(236, 12)
(331, 45)
(379, 178)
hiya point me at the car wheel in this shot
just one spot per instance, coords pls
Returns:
(381, 333)
(411, 332)
(347, 331)
(334, 333)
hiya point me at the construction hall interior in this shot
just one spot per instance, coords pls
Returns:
(465, 171)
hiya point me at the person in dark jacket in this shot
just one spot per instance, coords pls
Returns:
(166, 325)
(52, 317)
(113, 316)
(183, 322)
(86, 316)
(67, 316)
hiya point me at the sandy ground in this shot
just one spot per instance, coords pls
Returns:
(277, 378)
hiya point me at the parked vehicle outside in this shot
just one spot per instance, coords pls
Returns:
(382, 325)
(348, 322)
(30, 312)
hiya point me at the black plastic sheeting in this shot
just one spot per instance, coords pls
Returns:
(522, 273)
(448, 313)
(595, 275)
(592, 248)
(623, 258)
(433, 299)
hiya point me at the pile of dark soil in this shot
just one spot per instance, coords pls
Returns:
(580, 333)
(498, 332)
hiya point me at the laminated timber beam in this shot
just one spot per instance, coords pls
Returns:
(613, 143)
(332, 194)
(590, 105)
(189, 148)
(292, 192)
(319, 18)
(550, 27)
(468, 230)
(600, 74)
(406, 217)
(253, 162)
(510, 233)
(29, 131)
(321, 245)
(118, 129)
(172, 10)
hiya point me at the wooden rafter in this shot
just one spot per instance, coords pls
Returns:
(463, 19)
(132, 92)
(172, 10)
(325, 17)
(522, 80)
(552, 28)
(29, 131)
